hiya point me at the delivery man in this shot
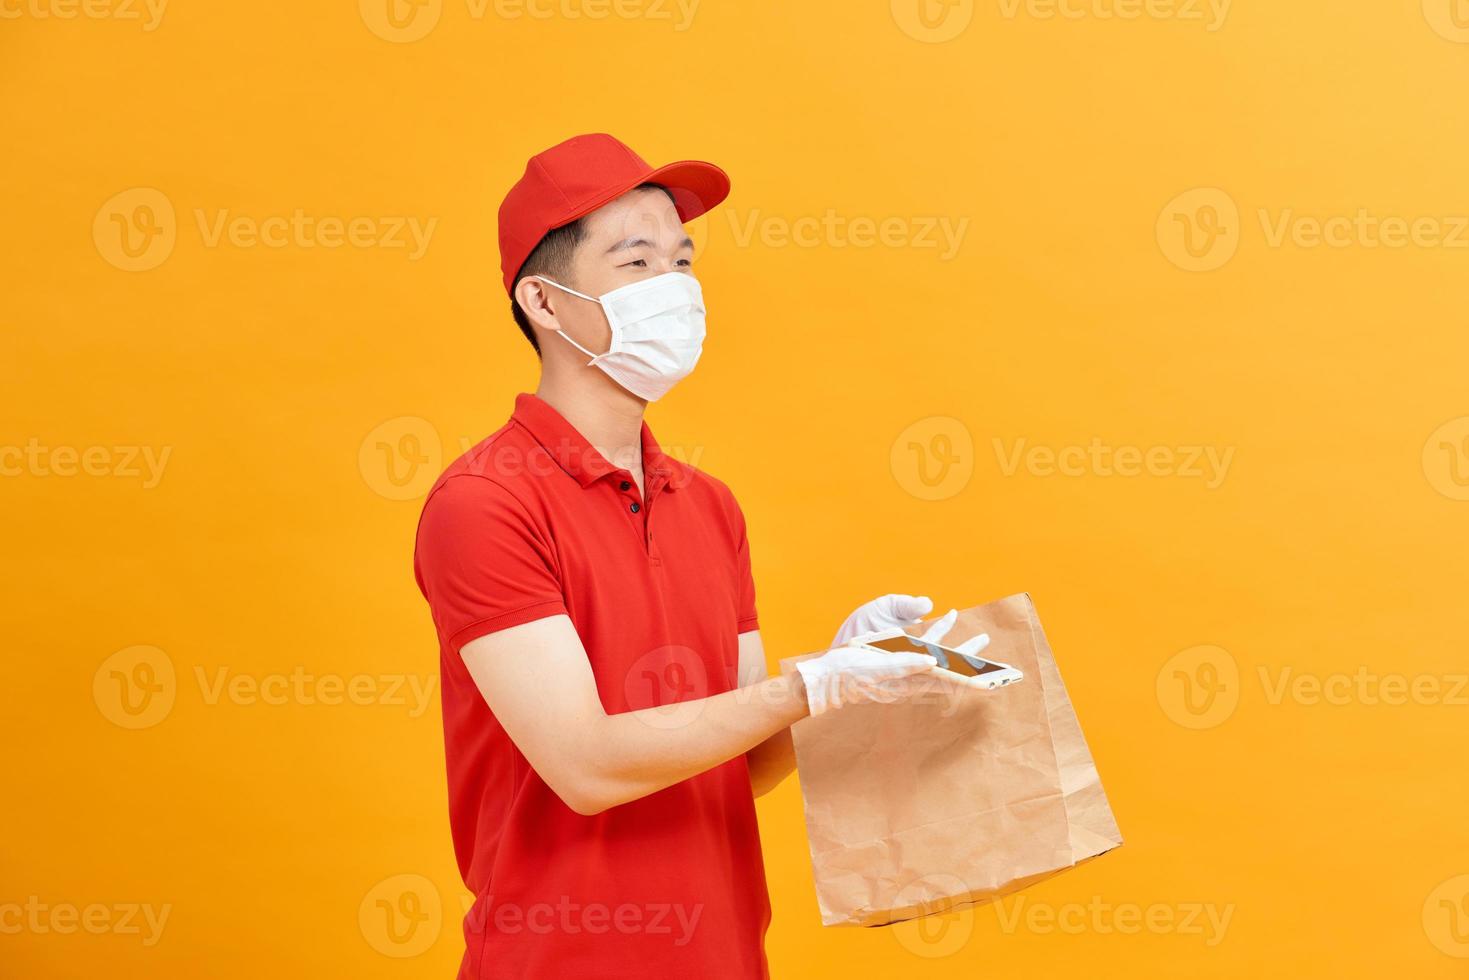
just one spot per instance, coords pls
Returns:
(580, 578)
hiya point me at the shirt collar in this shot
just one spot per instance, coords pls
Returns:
(581, 461)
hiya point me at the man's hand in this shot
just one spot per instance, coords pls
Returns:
(899, 612)
(852, 675)
(884, 613)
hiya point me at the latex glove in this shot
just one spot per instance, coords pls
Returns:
(851, 675)
(899, 612)
(885, 613)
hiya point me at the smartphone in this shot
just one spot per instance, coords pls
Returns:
(974, 671)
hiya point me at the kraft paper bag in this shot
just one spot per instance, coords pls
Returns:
(956, 797)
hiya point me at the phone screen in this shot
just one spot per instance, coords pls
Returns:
(948, 659)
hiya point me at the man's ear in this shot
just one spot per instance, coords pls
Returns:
(536, 300)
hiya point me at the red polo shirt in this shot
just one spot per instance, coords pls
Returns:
(534, 522)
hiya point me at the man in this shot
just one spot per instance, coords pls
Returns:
(582, 581)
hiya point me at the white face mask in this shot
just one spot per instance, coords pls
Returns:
(657, 332)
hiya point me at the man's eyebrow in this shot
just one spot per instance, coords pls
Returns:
(628, 243)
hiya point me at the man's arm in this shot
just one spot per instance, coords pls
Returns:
(536, 678)
(775, 758)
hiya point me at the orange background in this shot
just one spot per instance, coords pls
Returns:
(852, 393)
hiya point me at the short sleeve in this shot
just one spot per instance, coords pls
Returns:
(482, 563)
(748, 618)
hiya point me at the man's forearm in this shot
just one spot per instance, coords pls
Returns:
(771, 762)
(628, 756)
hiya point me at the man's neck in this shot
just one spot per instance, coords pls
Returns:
(608, 417)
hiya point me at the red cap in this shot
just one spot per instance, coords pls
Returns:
(575, 178)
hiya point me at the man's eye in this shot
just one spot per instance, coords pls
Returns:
(639, 263)
(685, 263)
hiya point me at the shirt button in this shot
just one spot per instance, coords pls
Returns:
(634, 508)
(624, 485)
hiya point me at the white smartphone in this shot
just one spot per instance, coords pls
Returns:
(972, 670)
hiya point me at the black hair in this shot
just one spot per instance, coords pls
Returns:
(551, 258)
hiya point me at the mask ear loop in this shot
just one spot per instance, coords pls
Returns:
(562, 333)
(564, 336)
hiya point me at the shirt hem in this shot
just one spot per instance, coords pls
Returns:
(505, 620)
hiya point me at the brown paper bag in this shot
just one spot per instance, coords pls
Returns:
(957, 797)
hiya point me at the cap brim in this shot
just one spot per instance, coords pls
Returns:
(696, 186)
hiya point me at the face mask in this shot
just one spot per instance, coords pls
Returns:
(657, 332)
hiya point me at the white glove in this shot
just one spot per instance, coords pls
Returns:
(851, 675)
(888, 612)
(899, 612)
